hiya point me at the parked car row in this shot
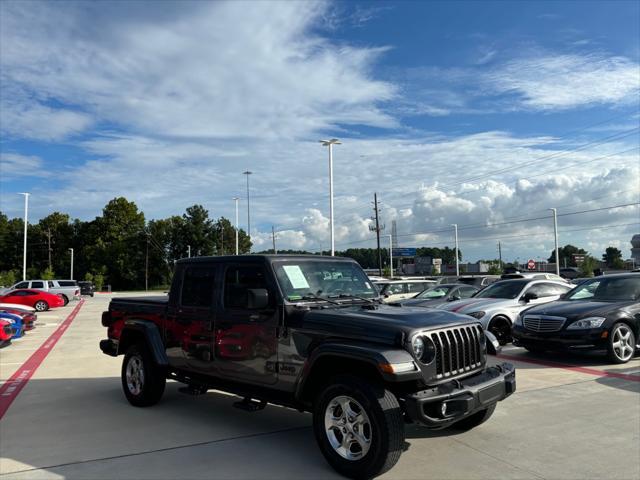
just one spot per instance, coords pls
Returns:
(67, 289)
(15, 320)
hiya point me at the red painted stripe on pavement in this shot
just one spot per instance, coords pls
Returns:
(574, 368)
(12, 387)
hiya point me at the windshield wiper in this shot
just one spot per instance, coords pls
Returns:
(348, 295)
(313, 296)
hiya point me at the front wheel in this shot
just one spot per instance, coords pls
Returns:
(501, 328)
(142, 380)
(359, 427)
(474, 420)
(622, 343)
(41, 306)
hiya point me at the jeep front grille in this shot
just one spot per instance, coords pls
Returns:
(541, 323)
(458, 350)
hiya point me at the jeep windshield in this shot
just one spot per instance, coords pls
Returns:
(505, 289)
(311, 280)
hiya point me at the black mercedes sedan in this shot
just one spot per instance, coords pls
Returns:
(602, 313)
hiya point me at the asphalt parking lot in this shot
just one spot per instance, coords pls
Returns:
(572, 417)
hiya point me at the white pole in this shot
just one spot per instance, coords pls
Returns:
(555, 234)
(71, 250)
(26, 222)
(237, 242)
(333, 246)
(189, 251)
(391, 256)
(455, 228)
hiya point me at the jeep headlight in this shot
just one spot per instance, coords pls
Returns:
(418, 347)
(587, 323)
(477, 315)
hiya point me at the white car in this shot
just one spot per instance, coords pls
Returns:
(499, 304)
(395, 290)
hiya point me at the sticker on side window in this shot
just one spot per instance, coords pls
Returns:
(296, 277)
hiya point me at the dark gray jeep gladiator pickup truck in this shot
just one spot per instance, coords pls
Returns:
(309, 333)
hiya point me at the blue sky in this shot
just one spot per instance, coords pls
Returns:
(483, 114)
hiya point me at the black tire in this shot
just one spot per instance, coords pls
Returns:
(500, 326)
(41, 306)
(145, 390)
(616, 354)
(385, 427)
(474, 420)
(534, 349)
(65, 299)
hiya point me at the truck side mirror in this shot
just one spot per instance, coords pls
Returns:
(257, 298)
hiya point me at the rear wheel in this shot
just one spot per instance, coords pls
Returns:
(500, 326)
(359, 427)
(41, 306)
(622, 343)
(65, 300)
(143, 381)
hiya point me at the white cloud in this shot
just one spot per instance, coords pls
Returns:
(14, 165)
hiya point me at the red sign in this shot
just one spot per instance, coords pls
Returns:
(531, 265)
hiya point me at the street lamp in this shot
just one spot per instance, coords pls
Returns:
(555, 234)
(24, 250)
(247, 173)
(71, 250)
(330, 144)
(235, 199)
(455, 229)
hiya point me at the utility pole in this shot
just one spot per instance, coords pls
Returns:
(500, 253)
(273, 238)
(235, 199)
(555, 233)
(189, 251)
(221, 239)
(391, 257)
(455, 228)
(26, 222)
(146, 267)
(377, 230)
(49, 247)
(247, 173)
(71, 250)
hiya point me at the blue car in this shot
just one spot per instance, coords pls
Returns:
(17, 322)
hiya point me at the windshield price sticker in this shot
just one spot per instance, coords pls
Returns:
(296, 277)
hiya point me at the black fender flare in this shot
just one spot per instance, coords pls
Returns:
(151, 334)
(374, 355)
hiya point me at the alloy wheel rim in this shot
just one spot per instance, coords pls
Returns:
(348, 427)
(622, 343)
(40, 306)
(135, 375)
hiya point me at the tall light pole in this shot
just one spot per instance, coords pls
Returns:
(235, 199)
(455, 229)
(26, 220)
(330, 144)
(555, 234)
(247, 173)
(390, 256)
(71, 250)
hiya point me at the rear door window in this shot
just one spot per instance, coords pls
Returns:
(37, 284)
(197, 287)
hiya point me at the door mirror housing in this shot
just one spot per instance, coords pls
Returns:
(453, 298)
(257, 298)
(529, 296)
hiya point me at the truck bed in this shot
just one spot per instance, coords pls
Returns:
(155, 304)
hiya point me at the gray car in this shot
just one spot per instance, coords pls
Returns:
(434, 296)
(51, 286)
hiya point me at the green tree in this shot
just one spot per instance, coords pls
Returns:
(47, 274)
(565, 254)
(613, 258)
(588, 265)
(225, 238)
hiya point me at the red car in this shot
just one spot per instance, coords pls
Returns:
(28, 318)
(6, 332)
(37, 299)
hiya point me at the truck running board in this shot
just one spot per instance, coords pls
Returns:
(193, 390)
(249, 405)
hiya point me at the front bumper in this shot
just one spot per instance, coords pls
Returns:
(561, 340)
(109, 347)
(462, 397)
